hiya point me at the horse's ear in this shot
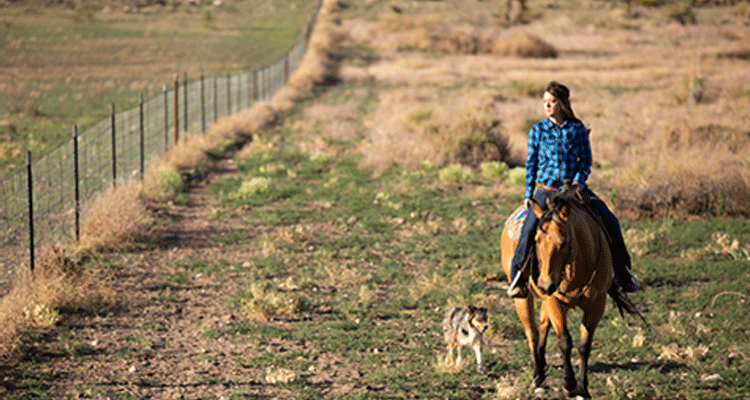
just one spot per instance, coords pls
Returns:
(537, 208)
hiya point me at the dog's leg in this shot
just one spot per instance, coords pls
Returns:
(458, 360)
(449, 356)
(452, 342)
(478, 351)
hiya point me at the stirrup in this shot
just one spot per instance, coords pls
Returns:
(515, 284)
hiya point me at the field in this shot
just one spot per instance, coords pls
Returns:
(53, 76)
(317, 261)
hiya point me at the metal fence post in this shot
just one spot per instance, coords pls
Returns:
(166, 120)
(176, 112)
(185, 101)
(216, 98)
(286, 67)
(203, 102)
(255, 85)
(114, 148)
(229, 94)
(31, 207)
(77, 184)
(142, 138)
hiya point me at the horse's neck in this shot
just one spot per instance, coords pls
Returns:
(587, 237)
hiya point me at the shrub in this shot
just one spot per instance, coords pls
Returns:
(517, 176)
(255, 186)
(493, 169)
(476, 140)
(162, 184)
(455, 173)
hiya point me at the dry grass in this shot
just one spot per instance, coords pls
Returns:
(35, 298)
(115, 219)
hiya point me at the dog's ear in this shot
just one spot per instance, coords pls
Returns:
(472, 309)
(483, 310)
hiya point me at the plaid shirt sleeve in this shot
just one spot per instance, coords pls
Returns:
(557, 153)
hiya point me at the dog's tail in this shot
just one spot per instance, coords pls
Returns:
(624, 304)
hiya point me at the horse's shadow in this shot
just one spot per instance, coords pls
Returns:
(663, 367)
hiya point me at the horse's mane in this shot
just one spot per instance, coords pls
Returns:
(559, 200)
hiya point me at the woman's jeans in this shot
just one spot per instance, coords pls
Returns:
(620, 256)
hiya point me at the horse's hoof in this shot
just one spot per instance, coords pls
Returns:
(541, 393)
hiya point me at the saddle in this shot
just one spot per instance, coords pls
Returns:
(578, 196)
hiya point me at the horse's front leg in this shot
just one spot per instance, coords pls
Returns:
(591, 317)
(525, 311)
(558, 316)
(540, 348)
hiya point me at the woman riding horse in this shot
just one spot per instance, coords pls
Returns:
(559, 155)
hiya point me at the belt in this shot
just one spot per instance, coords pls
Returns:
(547, 188)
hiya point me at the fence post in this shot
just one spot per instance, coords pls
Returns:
(31, 207)
(249, 88)
(229, 94)
(286, 67)
(114, 148)
(77, 184)
(143, 138)
(166, 120)
(216, 98)
(185, 101)
(255, 85)
(176, 112)
(203, 102)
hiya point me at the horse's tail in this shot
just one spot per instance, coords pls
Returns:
(624, 304)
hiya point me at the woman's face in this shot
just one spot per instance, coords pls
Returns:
(551, 106)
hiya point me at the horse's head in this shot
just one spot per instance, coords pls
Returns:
(553, 245)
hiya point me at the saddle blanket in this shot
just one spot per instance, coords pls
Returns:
(515, 222)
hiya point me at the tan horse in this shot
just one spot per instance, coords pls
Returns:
(574, 270)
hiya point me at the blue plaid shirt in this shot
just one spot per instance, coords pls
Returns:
(557, 153)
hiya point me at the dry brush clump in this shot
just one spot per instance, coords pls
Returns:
(36, 297)
(462, 39)
(416, 125)
(687, 170)
(116, 218)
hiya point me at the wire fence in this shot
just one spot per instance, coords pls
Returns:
(42, 204)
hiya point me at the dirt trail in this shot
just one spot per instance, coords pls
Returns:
(158, 343)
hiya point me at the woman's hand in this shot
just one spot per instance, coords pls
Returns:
(527, 204)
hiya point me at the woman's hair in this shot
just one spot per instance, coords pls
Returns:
(562, 94)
